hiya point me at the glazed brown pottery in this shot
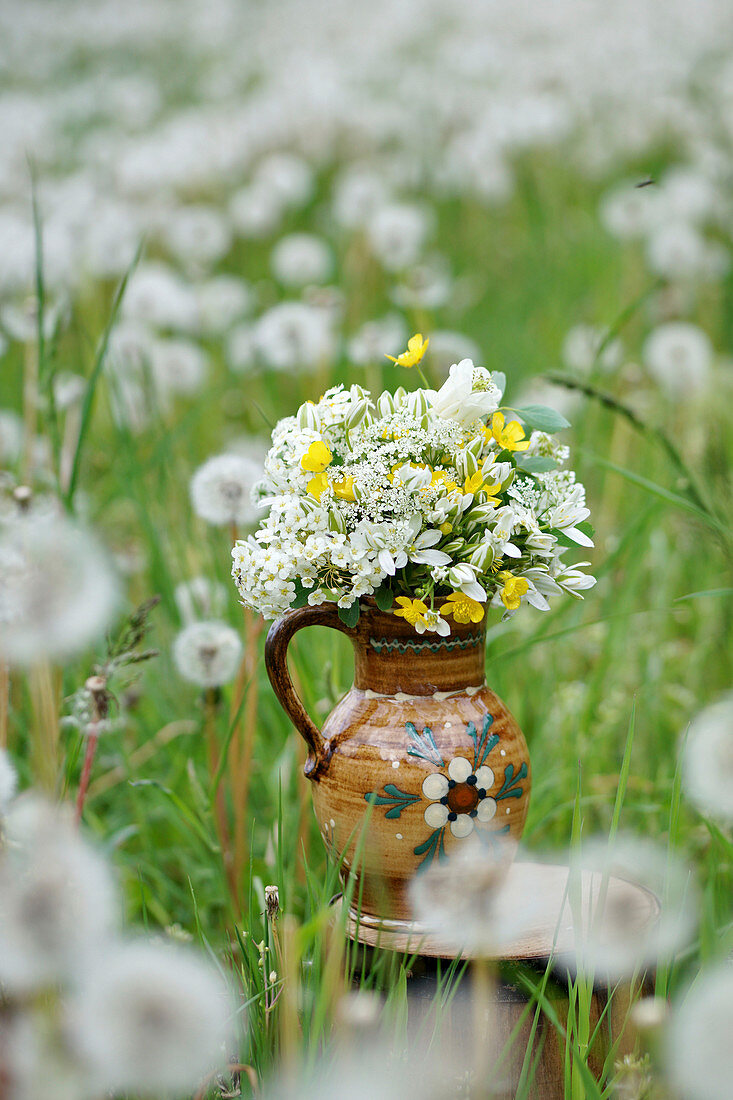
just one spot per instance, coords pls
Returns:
(420, 736)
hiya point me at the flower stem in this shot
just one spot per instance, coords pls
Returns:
(91, 749)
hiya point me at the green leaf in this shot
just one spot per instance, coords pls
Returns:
(384, 598)
(301, 595)
(349, 616)
(535, 464)
(587, 528)
(542, 418)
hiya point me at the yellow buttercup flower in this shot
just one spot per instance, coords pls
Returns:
(316, 458)
(413, 611)
(476, 484)
(513, 590)
(509, 436)
(416, 348)
(317, 485)
(441, 480)
(344, 489)
(463, 608)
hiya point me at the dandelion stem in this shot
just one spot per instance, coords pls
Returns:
(220, 809)
(91, 749)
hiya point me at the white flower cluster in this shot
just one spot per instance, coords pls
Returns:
(427, 498)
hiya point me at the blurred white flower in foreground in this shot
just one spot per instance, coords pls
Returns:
(679, 357)
(301, 258)
(633, 903)
(57, 590)
(150, 1018)
(56, 897)
(699, 1048)
(207, 653)
(707, 760)
(8, 781)
(466, 900)
(581, 349)
(221, 489)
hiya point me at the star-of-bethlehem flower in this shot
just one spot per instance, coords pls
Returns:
(509, 436)
(513, 590)
(463, 608)
(416, 348)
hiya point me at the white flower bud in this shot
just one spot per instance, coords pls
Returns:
(399, 396)
(309, 417)
(337, 522)
(482, 557)
(417, 403)
(357, 414)
(385, 404)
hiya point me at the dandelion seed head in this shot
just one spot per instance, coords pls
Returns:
(464, 900)
(200, 598)
(207, 653)
(57, 900)
(221, 490)
(699, 1051)
(150, 1018)
(57, 589)
(8, 781)
(707, 760)
(639, 905)
(300, 259)
(679, 356)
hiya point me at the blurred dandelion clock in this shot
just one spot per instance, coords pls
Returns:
(466, 900)
(587, 345)
(57, 589)
(149, 1017)
(178, 367)
(397, 233)
(368, 343)
(301, 258)
(57, 900)
(707, 760)
(222, 301)
(699, 1050)
(8, 781)
(293, 335)
(679, 356)
(634, 904)
(200, 598)
(221, 489)
(207, 653)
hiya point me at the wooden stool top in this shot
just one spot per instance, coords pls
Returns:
(549, 928)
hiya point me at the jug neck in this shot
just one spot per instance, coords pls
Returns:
(390, 657)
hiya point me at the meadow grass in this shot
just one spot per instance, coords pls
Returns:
(603, 689)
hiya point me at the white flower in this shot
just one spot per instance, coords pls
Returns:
(567, 515)
(150, 1018)
(57, 589)
(707, 760)
(221, 489)
(300, 259)
(56, 897)
(679, 357)
(699, 1054)
(457, 399)
(207, 653)
(463, 578)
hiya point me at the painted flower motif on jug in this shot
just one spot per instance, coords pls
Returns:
(462, 795)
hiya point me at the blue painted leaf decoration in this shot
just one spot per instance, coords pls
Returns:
(423, 745)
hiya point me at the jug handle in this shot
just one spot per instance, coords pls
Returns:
(276, 663)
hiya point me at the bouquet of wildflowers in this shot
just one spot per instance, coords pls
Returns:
(436, 503)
